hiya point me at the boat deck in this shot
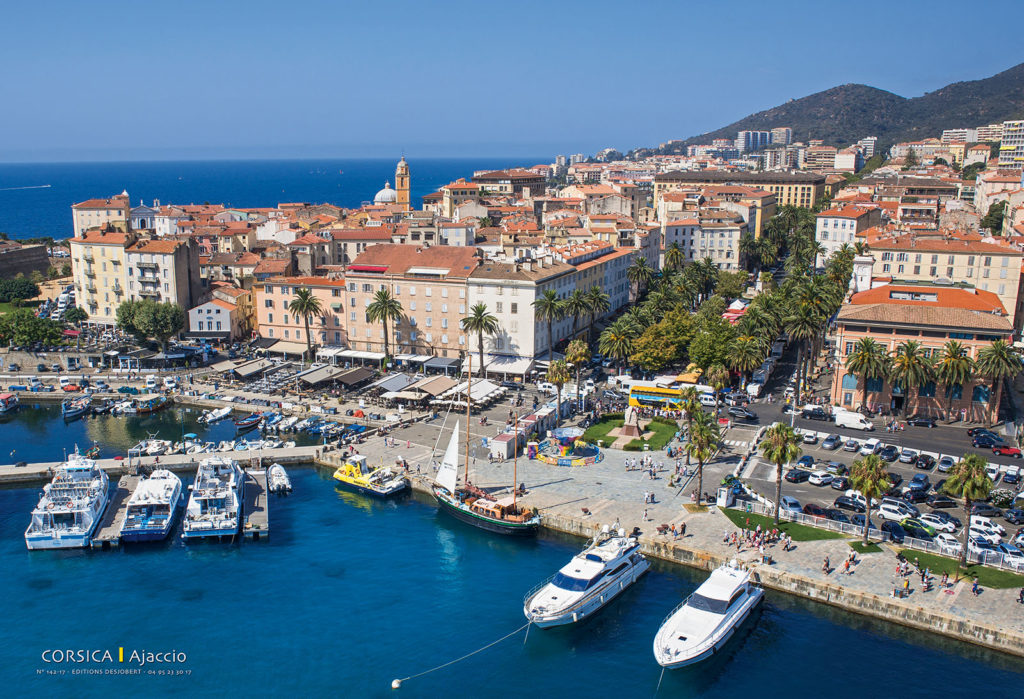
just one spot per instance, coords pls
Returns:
(255, 505)
(108, 533)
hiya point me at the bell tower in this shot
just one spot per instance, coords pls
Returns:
(402, 183)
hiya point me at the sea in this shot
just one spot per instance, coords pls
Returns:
(36, 198)
(350, 593)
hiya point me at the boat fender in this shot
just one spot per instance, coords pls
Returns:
(49, 506)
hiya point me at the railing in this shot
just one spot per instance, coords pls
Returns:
(818, 522)
(993, 559)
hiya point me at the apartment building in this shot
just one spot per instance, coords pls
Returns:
(97, 265)
(1011, 146)
(839, 226)
(163, 270)
(931, 315)
(97, 213)
(790, 188)
(277, 322)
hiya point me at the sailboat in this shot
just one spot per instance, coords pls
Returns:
(472, 505)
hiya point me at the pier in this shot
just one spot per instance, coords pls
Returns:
(108, 533)
(256, 506)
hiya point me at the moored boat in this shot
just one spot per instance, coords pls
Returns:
(357, 475)
(73, 408)
(150, 403)
(152, 507)
(8, 403)
(248, 422)
(278, 480)
(70, 506)
(707, 619)
(215, 501)
(213, 416)
(592, 579)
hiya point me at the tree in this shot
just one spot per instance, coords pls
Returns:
(577, 354)
(576, 306)
(868, 475)
(22, 327)
(558, 374)
(17, 290)
(162, 321)
(745, 355)
(598, 303)
(548, 307)
(997, 362)
(306, 306)
(126, 320)
(781, 446)
(910, 370)
(993, 220)
(689, 403)
(384, 309)
(868, 361)
(801, 325)
(639, 275)
(482, 322)
(954, 369)
(717, 376)
(969, 481)
(76, 316)
(37, 277)
(910, 160)
(731, 285)
(617, 340)
(65, 269)
(701, 442)
(674, 257)
(650, 351)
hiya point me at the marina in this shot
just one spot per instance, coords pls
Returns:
(256, 505)
(108, 533)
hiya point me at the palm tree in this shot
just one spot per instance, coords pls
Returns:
(868, 475)
(558, 374)
(640, 274)
(674, 257)
(969, 481)
(617, 340)
(598, 303)
(577, 354)
(868, 361)
(701, 443)
(548, 307)
(781, 446)
(482, 322)
(954, 368)
(910, 370)
(749, 251)
(997, 362)
(306, 305)
(717, 376)
(745, 355)
(576, 305)
(383, 309)
(801, 325)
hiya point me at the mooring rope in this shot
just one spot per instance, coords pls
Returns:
(395, 684)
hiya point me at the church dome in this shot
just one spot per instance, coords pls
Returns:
(386, 195)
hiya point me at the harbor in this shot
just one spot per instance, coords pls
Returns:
(108, 533)
(255, 505)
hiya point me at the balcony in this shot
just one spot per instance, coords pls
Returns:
(118, 290)
(147, 265)
(149, 292)
(90, 272)
(91, 288)
(88, 257)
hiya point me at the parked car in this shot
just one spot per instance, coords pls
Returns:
(945, 464)
(979, 545)
(984, 441)
(992, 471)
(788, 503)
(1012, 475)
(948, 544)
(1014, 516)
(795, 475)
(810, 438)
(938, 500)
(1012, 555)
(893, 529)
(889, 511)
(742, 413)
(889, 453)
(858, 520)
(937, 523)
(814, 414)
(917, 529)
(847, 503)
(987, 523)
(983, 432)
(813, 510)
(871, 446)
(925, 462)
(987, 535)
(894, 478)
(921, 421)
(851, 445)
(915, 496)
(837, 516)
(805, 461)
(908, 456)
(840, 483)
(985, 510)
(920, 482)
(820, 478)
(1002, 450)
(130, 390)
(837, 468)
(945, 517)
(832, 442)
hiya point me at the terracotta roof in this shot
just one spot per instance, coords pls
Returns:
(309, 239)
(269, 266)
(954, 245)
(159, 247)
(924, 315)
(306, 281)
(845, 212)
(375, 233)
(98, 237)
(229, 289)
(945, 297)
(112, 203)
(398, 259)
(223, 304)
(507, 270)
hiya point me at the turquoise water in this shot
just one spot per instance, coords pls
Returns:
(350, 593)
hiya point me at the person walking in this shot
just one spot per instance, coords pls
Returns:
(975, 589)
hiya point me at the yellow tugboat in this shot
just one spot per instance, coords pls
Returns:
(359, 476)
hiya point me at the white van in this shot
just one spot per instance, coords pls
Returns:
(151, 382)
(986, 524)
(63, 381)
(707, 400)
(170, 383)
(856, 421)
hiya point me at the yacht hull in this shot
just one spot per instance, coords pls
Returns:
(711, 650)
(485, 523)
(47, 541)
(366, 490)
(594, 602)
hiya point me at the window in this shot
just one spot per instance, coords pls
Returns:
(970, 260)
(444, 339)
(498, 306)
(429, 291)
(444, 307)
(444, 293)
(398, 290)
(412, 291)
(988, 261)
(270, 332)
(885, 268)
(932, 270)
(515, 308)
(335, 292)
(368, 288)
(268, 303)
(927, 391)
(352, 302)
(899, 269)
(286, 333)
(980, 394)
(444, 323)
(462, 339)
(352, 316)
(428, 307)
(218, 325)
(956, 390)
(949, 272)
(270, 289)
(351, 286)
(412, 305)
(430, 338)
(1006, 262)
(429, 321)
(200, 326)
(935, 259)
(462, 293)
(917, 257)
(270, 317)
(917, 269)
(849, 348)
(1002, 273)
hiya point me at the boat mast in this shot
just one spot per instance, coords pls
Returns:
(469, 389)
(515, 458)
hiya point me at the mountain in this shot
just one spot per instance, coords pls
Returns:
(842, 115)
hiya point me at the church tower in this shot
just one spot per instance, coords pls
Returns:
(402, 183)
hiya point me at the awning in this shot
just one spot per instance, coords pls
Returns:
(353, 377)
(72, 333)
(441, 363)
(501, 364)
(286, 347)
(393, 382)
(434, 385)
(111, 353)
(223, 366)
(253, 367)
(264, 342)
(321, 374)
(412, 358)
(358, 354)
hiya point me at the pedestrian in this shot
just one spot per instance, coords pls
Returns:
(906, 586)
(945, 580)
(825, 567)
(682, 532)
(846, 567)
(645, 514)
(975, 590)
(1020, 596)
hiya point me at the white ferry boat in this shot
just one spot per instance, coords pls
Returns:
(152, 507)
(70, 507)
(592, 579)
(701, 625)
(215, 503)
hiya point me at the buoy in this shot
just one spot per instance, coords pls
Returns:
(395, 684)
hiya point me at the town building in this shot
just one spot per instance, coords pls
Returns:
(97, 264)
(97, 213)
(790, 188)
(277, 322)
(840, 225)
(1011, 146)
(164, 270)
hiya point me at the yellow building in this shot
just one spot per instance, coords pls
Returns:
(98, 267)
(790, 188)
(402, 183)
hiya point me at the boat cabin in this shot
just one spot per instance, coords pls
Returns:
(497, 509)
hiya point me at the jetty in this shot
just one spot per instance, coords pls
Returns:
(108, 533)
(256, 505)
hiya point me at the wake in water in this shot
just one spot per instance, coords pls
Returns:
(31, 186)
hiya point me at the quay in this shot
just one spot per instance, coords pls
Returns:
(108, 533)
(256, 505)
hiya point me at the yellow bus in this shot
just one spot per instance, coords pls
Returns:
(648, 395)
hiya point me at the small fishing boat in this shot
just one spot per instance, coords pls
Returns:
(704, 621)
(592, 579)
(74, 408)
(93, 452)
(200, 448)
(149, 403)
(277, 478)
(8, 403)
(226, 445)
(272, 443)
(356, 474)
(289, 444)
(287, 423)
(212, 416)
(248, 422)
(104, 407)
(156, 447)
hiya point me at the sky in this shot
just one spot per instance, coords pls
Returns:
(107, 80)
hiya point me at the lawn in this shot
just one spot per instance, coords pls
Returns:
(8, 307)
(987, 577)
(662, 435)
(859, 547)
(600, 429)
(798, 532)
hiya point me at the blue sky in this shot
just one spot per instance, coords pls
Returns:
(140, 80)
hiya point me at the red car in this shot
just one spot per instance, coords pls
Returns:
(1006, 451)
(71, 387)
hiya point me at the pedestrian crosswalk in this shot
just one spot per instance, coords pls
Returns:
(735, 443)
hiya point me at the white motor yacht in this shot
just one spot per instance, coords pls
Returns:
(70, 507)
(701, 625)
(215, 502)
(593, 578)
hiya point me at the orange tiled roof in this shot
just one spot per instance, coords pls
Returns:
(946, 297)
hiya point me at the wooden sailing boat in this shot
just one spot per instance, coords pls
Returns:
(472, 505)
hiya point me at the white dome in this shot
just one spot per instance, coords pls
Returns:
(386, 195)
